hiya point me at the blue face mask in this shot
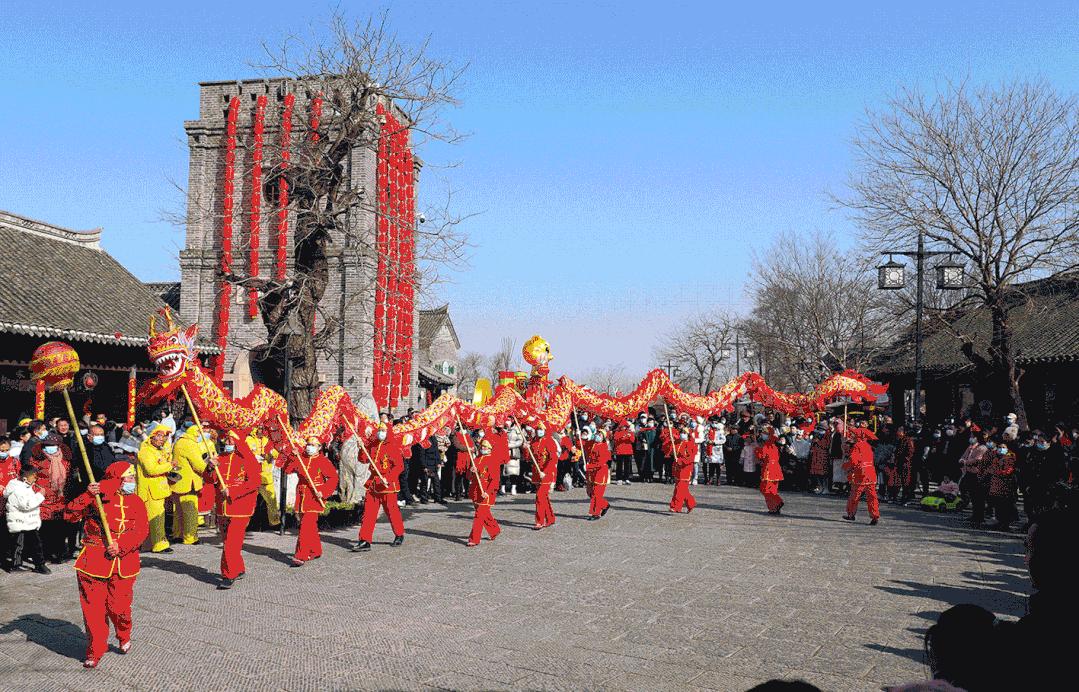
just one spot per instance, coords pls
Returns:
(98, 439)
(1043, 446)
(51, 449)
(311, 450)
(229, 449)
(128, 487)
(3, 455)
(43, 435)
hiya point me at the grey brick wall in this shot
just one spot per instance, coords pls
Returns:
(349, 298)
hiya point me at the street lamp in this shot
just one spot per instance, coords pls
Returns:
(891, 277)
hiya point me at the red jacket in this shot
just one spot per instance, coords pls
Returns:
(768, 456)
(322, 473)
(488, 469)
(242, 474)
(464, 443)
(859, 465)
(596, 470)
(500, 446)
(546, 453)
(682, 468)
(623, 442)
(128, 525)
(390, 462)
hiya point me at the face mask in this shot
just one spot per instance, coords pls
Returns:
(989, 446)
(585, 435)
(684, 436)
(693, 426)
(3, 455)
(936, 436)
(51, 449)
(763, 438)
(127, 487)
(1041, 445)
(1002, 449)
(42, 435)
(479, 435)
(973, 440)
(229, 449)
(541, 432)
(98, 439)
(715, 425)
(311, 450)
(381, 435)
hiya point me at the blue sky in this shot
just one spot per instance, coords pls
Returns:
(626, 158)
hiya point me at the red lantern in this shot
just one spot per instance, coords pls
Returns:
(256, 205)
(54, 363)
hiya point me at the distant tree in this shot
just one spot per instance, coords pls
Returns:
(468, 371)
(506, 358)
(991, 174)
(702, 351)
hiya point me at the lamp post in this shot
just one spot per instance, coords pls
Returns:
(891, 277)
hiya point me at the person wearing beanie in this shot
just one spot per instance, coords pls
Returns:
(106, 571)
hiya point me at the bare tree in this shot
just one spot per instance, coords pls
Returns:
(359, 67)
(608, 379)
(991, 174)
(702, 351)
(812, 312)
(507, 358)
(468, 371)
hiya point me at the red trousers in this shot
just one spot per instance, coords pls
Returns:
(544, 511)
(770, 490)
(207, 497)
(599, 503)
(483, 520)
(232, 558)
(870, 492)
(308, 542)
(682, 497)
(104, 600)
(371, 504)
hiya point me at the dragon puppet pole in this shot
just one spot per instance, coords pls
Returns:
(361, 445)
(528, 446)
(577, 427)
(306, 474)
(202, 437)
(471, 456)
(667, 415)
(86, 465)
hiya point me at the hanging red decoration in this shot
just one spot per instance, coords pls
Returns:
(281, 268)
(39, 399)
(316, 116)
(255, 220)
(225, 294)
(131, 398)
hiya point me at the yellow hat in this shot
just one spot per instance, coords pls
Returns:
(160, 427)
(485, 447)
(313, 441)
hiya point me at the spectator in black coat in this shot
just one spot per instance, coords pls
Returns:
(99, 451)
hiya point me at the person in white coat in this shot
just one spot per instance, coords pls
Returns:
(23, 502)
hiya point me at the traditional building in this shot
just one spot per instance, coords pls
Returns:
(1045, 337)
(59, 285)
(438, 353)
(373, 354)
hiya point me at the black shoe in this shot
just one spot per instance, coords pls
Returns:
(398, 540)
(423, 500)
(7, 567)
(224, 584)
(43, 569)
(873, 522)
(361, 547)
(848, 517)
(604, 512)
(240, 576)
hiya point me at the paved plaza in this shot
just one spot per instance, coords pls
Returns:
(723, 598)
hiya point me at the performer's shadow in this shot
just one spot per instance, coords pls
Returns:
(457, 540)
(59, 636)
(273, 553)
(196, 572)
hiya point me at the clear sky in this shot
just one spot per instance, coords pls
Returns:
(626, 157)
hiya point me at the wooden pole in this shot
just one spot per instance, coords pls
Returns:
(361, 445)
(528, 445)
(667, 415)
(471, 456)
(202, 433)
(299, 458)
(86, 465)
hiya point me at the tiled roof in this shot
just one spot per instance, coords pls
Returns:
(430, 322)
(432, 374)
(1045, 329)
(168, 291)
(60, 284)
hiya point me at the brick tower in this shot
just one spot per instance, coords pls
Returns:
(227, 313)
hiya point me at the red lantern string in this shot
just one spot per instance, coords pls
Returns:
(378, 367)
(226, 236)
(131, 395)
(282, 190)
(255, 221)
(39, 399)
(316, 115)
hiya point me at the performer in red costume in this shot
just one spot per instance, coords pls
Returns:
(771, 472)
(483, 490)
(107, 574)
(544, 455)
(862, 474)
(382, 487)
(309, 500)
(685, 450)
(235, 502)
(598, 473)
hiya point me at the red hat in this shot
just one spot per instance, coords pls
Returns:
(117, 469)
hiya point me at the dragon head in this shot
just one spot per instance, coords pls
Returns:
(172, 349)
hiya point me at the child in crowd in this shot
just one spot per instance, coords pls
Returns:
(23, 502)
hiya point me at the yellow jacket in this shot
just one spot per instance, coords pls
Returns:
(187, 453)
(258, 446)
(153, 464)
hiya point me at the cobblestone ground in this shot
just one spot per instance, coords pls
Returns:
(720, 599)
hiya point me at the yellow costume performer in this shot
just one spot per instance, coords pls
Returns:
(187, 457)
(267, 456)
(155, 462)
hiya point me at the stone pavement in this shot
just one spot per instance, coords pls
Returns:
(720, 599)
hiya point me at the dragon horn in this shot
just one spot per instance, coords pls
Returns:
(168, 317)
(153, 329)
